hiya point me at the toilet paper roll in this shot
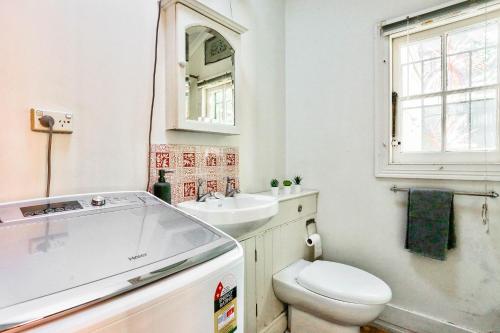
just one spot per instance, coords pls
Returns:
(314, 240)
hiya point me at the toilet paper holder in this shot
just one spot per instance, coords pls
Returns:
(308, 223)
(313, 239)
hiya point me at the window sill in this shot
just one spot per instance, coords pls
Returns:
(443, 172)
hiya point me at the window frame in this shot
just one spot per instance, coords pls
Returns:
(477, 165)
(443, 156)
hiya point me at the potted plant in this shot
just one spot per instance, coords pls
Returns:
(287, 186)
(297, 188)
(275, 187)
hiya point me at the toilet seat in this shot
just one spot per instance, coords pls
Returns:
(344, 283)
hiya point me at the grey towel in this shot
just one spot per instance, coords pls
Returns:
(430, 230)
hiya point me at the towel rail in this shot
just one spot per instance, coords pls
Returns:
(491, 194)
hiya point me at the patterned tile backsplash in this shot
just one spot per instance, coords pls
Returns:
(190, 163)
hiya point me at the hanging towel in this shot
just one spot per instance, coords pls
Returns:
(430, 231)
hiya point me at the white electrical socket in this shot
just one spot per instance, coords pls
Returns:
(63, 121)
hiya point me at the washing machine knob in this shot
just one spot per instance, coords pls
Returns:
(98, 200)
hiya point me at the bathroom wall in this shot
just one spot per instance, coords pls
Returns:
(95, 58)
(329, 101)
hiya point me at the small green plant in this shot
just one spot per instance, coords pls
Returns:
(297, 180)
(275, 183)
(287, 182)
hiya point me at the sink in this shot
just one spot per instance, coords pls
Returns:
(236, 215)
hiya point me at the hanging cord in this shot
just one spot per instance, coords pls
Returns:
(153, 95)
(484, 211)
(48, 121)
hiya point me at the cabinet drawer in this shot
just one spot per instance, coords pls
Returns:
(289, 210)
(294, 209)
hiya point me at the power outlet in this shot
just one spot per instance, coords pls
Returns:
(63, 121)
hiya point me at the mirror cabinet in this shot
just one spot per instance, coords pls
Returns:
(202, 69)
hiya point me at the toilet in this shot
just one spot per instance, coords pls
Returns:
(329, 297)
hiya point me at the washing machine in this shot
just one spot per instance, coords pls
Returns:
(116, 262)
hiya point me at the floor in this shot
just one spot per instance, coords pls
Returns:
(371, 329)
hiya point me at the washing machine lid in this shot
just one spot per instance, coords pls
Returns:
(344, 283)
(59, 254)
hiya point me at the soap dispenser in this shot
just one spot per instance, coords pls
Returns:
(162, 188)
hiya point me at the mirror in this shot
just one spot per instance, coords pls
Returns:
(209, 82)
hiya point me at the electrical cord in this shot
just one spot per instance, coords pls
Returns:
(153, 95)
(48, 121)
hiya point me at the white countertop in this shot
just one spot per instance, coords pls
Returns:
(283, 197)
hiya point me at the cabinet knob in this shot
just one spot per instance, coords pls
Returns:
(299, 208)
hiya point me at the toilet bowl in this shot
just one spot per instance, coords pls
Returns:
(329, 297)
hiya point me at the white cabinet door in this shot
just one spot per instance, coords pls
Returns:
(268, 263)
(250, 301)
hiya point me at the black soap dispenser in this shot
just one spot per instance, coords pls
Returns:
(162, 188)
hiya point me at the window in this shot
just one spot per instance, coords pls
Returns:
(437, 96)
(218, 102)
(446, 81)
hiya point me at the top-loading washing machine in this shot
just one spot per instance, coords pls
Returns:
(116, 262)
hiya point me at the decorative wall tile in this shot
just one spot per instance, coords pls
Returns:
(190, 163)
(189, 190)
(231, 159)
(162, 160)
(189, 160)
(211, 159)
(212, 186)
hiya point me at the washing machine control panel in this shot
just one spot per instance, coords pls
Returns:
(71, 204)
(49, 208)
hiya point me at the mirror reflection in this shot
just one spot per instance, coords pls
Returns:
(209, 77)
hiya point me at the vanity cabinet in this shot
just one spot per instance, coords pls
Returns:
(269, 249)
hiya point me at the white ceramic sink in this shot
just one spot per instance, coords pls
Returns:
(237, 215)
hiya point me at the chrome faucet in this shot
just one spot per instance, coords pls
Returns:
(200, 196)
(230, 191)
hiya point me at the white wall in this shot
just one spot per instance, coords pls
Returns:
(329, 101)
(94, 58)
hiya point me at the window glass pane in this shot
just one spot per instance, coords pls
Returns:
(421, 50)
(472, 56)
(412, 79)
(421, 67)
(484, 67)
(218, 96)
(458, 71)
(472, 38)
(471, 121)
(411, 138)
(483, 120)
(431, 129)
(431, 48)
(421, 125)
(457, 124)
(431, 76)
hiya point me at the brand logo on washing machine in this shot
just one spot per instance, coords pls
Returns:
(138, 256)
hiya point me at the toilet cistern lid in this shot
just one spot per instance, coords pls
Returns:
(344, 283)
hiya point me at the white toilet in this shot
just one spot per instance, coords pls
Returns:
(329, 297)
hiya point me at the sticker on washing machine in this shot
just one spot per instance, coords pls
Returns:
(225, 305)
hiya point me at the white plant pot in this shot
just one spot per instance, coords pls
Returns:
(275, 191)
(287, 190)
(297, 188)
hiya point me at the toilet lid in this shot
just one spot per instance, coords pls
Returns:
(344, 283)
